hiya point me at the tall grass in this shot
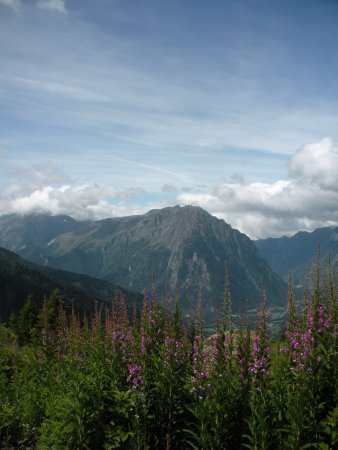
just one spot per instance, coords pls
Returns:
(151, 383)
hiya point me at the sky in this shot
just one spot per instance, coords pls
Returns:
(116, 107)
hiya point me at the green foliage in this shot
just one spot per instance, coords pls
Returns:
(27, 322)
(21, 280)
(111, 383)
(329, 427)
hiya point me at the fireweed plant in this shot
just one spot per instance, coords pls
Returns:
(142, 380)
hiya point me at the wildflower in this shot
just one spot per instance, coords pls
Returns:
(260, 357)
(200, 367)
(335, 333)
(135, 375)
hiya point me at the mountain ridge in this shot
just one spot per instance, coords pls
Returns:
(20, 278)
(183, 246)
(298, 252)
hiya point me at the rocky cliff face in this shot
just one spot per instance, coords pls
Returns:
(182, 246)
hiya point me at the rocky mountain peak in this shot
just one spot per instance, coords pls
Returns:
(183, 246)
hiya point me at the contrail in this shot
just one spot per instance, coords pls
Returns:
(150, 167)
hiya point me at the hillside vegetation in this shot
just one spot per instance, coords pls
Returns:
(152, 383)
(20, 279)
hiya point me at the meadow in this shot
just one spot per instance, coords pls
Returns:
(129, 380)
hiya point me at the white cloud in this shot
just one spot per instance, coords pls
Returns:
(14, 4)
(302, 202)
(34, 178)
(81, 201)
(57, 6)
(45, 188)
(316, 163)
(307, 200)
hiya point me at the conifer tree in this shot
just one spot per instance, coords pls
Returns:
(27, 322)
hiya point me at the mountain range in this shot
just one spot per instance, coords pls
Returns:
(297, 253)
(181, 246)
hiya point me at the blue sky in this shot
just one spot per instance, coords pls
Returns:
(114, 107)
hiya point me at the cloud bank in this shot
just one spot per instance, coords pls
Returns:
(307, 200)
(81, 201)
(46, 189)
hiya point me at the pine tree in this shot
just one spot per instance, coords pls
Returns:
(26, 324)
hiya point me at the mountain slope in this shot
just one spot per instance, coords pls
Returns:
(33, 230)
(297, 253)
(19, 278)
(185, 246)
